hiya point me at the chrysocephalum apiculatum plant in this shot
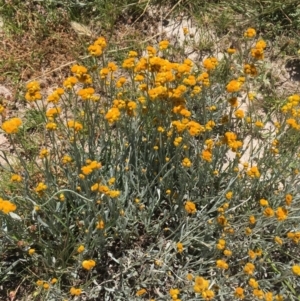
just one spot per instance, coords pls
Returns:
(157, 180)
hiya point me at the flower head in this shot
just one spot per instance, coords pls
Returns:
(250, 33)
(88, 264)
(190, 207)
(75, 291)
(12, 125)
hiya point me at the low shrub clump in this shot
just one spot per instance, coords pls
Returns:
(155, 180)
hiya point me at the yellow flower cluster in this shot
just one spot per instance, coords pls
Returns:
(294, 236)
(40, 188)
(75, 291)
(253, 172)
(105, 190)
(12, 125)
(88, 94)
(88, 264)
(174, 292)
(250, 33)
(55, 96)
(33, 91)
(81, 74)
(90, 167)
(16, 178)
(190, 207)
(97, 48)
(258, 51)
(52, 113)
(6, 206)
(230, 139)
(210, 63)
(77, 126)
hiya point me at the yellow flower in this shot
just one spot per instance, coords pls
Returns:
(263, 202)
(190, 207)
(100, 225)
(296, 270)
(253, 172)
(201, 284)
(239, 114)
(268, 296)
(261, 44)
(141, 292)
(44, 153)
(252, 254)
(227, 253)
(295, 236)
(86, 93)
(221, 264)
(278, 240)
(257, 53)
(39, 282)
(129, 63)
(249, 268)
(252, 219)
(239, 293)
(12, 125)
(53, 280)
(250, 33)
(281, 214)
(112, 115)
(208, 295)
(229, 195)
(101, 42)
(248, 231)
(6, 206)
(174, 292)
(51, 126)
(233, 86)
(80, 249)
(95, 50)
(179, 247)
(206, 155)
(268, 212)
(163, 44)
(88, 264)
(189, 276)
(185, 30)
(75, 291)
(41, 187)
(222, 220)
(258, 293)
(46, 286)
(253, 283)
(210, 63)
(16, 178)
(114, 193)
(250, 69)
(53, 112)
(70, 82)
(231, 50)
(120, 82)
(259, 124)
(221, 244)
(132, 54)
(72, 124)
(31, 251)
(186, 163)
(288, 199)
